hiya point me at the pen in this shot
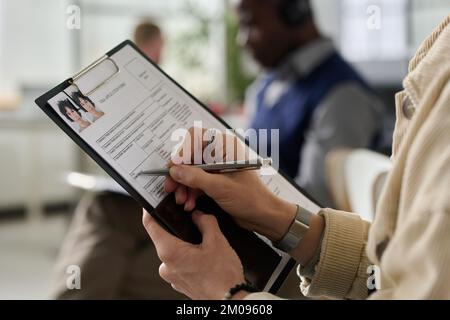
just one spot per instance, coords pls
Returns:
(220, 167)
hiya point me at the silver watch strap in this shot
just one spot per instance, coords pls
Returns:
(297, 230)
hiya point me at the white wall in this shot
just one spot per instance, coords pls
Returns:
(327, 17)
(34, 41)
(426, 15)
(33, 165)
(35, 55)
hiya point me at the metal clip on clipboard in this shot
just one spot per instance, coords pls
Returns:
(89, 68)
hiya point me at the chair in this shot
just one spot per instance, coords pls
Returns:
(356, 178)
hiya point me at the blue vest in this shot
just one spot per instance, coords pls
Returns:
(292, 113)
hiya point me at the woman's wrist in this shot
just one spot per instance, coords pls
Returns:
(279, 215)
(307, 247)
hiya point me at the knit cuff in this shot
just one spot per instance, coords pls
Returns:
(342, 245)
(309, 269)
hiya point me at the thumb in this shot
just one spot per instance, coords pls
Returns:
(208, 226)
(193, 177)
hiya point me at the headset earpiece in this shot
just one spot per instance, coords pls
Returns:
(295, 12)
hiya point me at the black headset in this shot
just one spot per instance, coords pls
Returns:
(295, 12)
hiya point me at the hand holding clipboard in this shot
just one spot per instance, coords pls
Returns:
(142, 106)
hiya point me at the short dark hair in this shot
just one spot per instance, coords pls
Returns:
(77, 96)
(63, 104)
(146, 31)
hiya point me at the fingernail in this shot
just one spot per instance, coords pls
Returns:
(175, 172)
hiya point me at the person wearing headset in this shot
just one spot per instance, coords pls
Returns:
(308, 92)
(403, 254)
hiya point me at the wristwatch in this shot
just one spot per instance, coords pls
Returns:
(296, 232)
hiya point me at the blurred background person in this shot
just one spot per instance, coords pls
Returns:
(106, 238)
(148, 37)
(316, 100)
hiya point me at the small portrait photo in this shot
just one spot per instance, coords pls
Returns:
(89, 111)
(72, 114)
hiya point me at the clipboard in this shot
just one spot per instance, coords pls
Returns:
(257, 257)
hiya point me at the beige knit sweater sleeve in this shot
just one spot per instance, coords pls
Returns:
(341, 271)
(416, 266)
(418, 272)
(342, 268)
(416, 262)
